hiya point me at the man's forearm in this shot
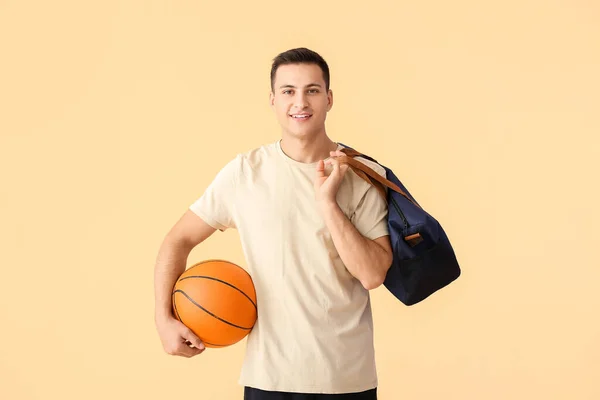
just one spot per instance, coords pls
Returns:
(366, 260)
(170, 264)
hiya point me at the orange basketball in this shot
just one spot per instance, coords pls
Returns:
(217, 301)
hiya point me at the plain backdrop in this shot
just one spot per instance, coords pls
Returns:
(116, 115)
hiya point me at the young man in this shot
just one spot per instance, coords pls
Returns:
(315, 239)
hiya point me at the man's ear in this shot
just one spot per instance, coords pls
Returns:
(271, 99)
(329, 99)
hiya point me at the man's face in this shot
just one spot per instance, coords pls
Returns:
(300, 100)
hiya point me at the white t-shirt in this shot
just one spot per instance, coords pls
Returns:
(314, 332)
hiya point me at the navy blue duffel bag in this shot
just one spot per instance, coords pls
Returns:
(424, 260)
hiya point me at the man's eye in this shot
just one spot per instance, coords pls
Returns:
(286, 91)
(314, 90)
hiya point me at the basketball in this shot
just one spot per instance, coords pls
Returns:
(216, 299)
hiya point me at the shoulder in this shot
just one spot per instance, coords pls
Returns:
(373, 165)
(257, 155)
(247, 163)
(253, 156)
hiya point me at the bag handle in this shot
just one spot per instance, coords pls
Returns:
(361, 170)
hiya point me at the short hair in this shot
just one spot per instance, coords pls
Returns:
(300, 55)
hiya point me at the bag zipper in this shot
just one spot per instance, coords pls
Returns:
(399, 212)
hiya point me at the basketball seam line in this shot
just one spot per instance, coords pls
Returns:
(208, 312)
(219, 280)
(214, 344)
(179, 318)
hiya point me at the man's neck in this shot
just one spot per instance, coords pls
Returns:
(307, 151)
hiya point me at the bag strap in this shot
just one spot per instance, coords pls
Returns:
(361, 170)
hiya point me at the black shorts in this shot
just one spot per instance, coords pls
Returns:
(257, 394)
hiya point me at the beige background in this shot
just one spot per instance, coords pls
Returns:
(115, 115)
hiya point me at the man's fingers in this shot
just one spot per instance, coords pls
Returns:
(320, 169)
(189, 349)
(188, 352)
(339, 169)
(336, 167)
(331, 161)
(194, 340)
(193, 351)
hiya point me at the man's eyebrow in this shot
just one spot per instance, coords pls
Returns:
(294, 87)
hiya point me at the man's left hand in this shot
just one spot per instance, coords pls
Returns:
(326, 186)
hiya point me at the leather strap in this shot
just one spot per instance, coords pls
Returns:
(372, 176)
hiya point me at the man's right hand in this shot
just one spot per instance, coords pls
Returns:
(177, 339)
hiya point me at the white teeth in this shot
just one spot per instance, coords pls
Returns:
(300, 116)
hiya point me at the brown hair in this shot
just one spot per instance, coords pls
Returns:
(300, 55)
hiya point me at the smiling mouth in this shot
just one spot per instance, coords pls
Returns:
(301, 117)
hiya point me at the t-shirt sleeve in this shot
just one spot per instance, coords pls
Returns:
(370, 216)
(216, 206)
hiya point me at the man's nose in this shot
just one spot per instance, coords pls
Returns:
(300, 101)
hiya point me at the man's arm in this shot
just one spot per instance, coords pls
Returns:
(187, 233)
(213, 210)
(367, 260)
